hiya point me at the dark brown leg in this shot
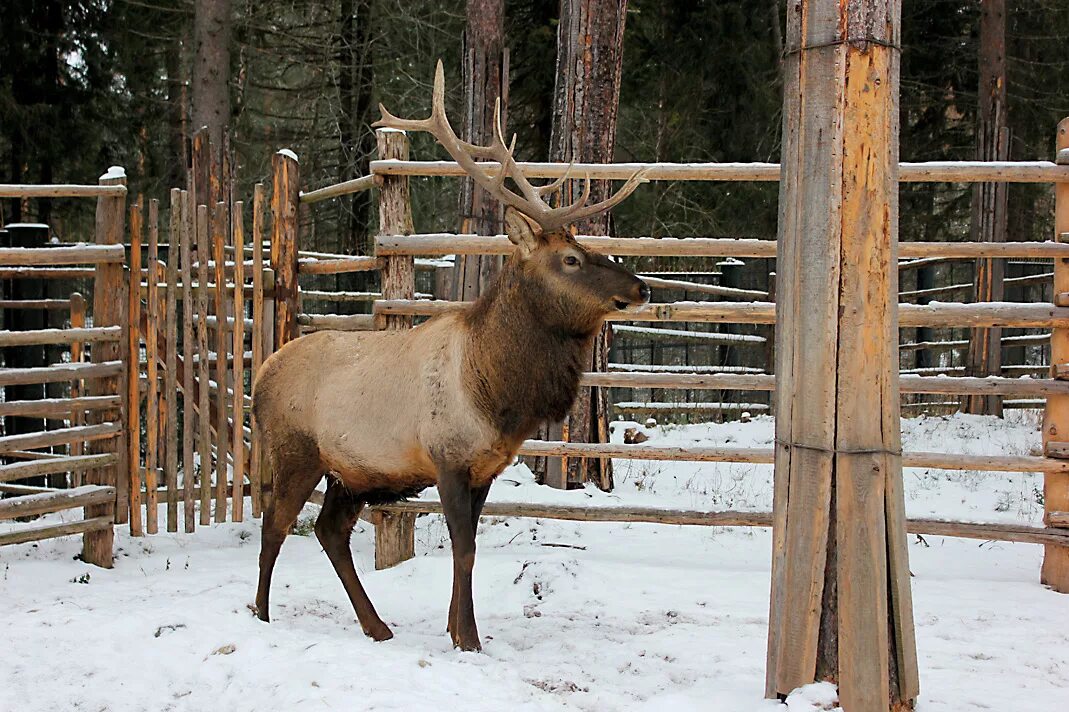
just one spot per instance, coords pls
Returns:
(333, 528)
(478, 499)
(292, 484)
(457, 500)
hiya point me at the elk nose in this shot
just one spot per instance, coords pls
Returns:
(643, 292)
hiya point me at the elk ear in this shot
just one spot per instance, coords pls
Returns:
(524, 232)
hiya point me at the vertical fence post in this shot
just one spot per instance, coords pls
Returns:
(109, 307)
(220, 217)
(170, 373)
(152, 390)
(841, 603)
(395, 533)
(258, 315)
(284, 201)
(1055, 572)
(77, 356)
(188, 349)
(133, 374)
(237, 229)
(395, 218)
(204, 409)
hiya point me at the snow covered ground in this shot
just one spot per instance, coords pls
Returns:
(592, 616)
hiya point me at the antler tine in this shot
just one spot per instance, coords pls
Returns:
(569, 214)
(551, 188)
(510, 167)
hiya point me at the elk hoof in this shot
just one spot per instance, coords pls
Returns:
(260, 613)
(379, 632)
(468, 643)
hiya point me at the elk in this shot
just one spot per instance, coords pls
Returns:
(386, 414)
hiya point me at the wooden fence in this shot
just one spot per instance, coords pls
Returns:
(80, 463)
(215, 296)
(399, 246)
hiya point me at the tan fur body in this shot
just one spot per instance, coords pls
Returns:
(382, 407)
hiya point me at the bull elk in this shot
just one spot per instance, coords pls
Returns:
(387, 414)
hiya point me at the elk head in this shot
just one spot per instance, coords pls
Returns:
(574, 282)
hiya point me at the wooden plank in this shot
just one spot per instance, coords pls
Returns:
(54, 465)
(909, 172)
(60, 436)
(102, 524)
(220, 227)
(170, 372)
(188, 349)
(57, 501)
(345, 265)
(61, 372)
(77, 352)
(450, 244)
(1055, 571)
(338, 322)
(395, 538)
(258, 316)
(204, 409)
(47, 273)
(348, 187)
(55, 256)
(57, 304)
(133, 376)
(284, 242)
(61, 190)
(59, 336)
(152, 396)
(684, 517)
(237, 499)
(62, 408)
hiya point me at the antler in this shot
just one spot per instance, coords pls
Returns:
(529, 201)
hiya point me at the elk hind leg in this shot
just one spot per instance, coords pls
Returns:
(293, 479)
(333, 528)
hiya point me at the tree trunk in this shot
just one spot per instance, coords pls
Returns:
(211, 67)
(590, 43)
(989, 199)
(176, 115)
(485, 63)
(357, 138)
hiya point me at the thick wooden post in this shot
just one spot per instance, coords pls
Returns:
(1055, 571)
(395, 218)
(395, 538)
(109, 309)
(841, 605)
(284, 201)
(395, 535)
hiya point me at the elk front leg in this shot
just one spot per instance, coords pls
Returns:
(478, 499)
(457, 501)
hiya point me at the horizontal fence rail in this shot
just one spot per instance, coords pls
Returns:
(927, 172)
(1006, 314)
(61, 190)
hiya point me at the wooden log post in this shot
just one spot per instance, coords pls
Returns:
(219, 228)
(237, 231)
(77, 356)
(170, 373)
(204, 437)
(841, 604)
(188, 349)
(285, 198)
(152, 392)
(258, 314)
(1055, 572)
(109, 309)
(395, 536)
(395, 218)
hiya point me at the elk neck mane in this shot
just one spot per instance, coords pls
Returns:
(526, 350)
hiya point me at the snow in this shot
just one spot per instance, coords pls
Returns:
(114, 172)
(35, 226)
(287, 153)
(611, 617)
(712, 335)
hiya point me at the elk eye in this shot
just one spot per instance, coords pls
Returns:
(571, 261)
